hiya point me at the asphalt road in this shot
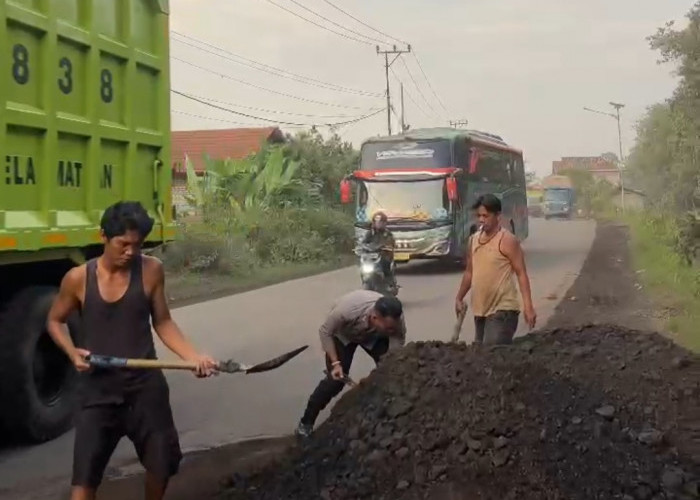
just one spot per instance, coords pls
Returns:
(266, 322)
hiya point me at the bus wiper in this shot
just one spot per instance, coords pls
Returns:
(402, 219)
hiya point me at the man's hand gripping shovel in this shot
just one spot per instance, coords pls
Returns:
(458, 325)
(229, 366)
(346, 379)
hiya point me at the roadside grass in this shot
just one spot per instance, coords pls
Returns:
(185, 288)
(674, 286)
(229, 253)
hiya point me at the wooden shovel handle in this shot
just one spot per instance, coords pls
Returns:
(114, 362)
(163, 365)
(458, 325)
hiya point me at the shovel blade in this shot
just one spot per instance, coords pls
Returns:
(275, 362)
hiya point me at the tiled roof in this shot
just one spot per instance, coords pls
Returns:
(218, 144)
(591, 163)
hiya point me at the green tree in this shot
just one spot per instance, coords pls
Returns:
(675, 128)
(323, 162)
(665, 159)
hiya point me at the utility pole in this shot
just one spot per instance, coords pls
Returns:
(616, 116)
(397, 52)
(458, 123)
(403, 112)
(617, 107)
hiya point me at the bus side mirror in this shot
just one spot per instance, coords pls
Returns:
(345, 194)
(451, 184)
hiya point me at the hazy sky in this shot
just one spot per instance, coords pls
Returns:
(521, 68)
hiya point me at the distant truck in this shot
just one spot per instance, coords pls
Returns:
(559, 197)
(85, 123)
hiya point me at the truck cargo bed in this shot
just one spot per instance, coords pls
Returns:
(85, 119)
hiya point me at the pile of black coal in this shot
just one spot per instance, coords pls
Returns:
(595, 412)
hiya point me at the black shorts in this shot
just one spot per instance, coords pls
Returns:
(144, 417)
(497, 328)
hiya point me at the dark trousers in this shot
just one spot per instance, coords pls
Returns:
(386, 268)
(328, 388)
(498, 328)
(144, 417)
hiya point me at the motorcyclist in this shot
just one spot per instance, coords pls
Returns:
(381, 238)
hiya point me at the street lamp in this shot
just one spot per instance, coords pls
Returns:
(616, 116)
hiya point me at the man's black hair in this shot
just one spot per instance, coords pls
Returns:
(126, 216)
(490, 202)
(389, 306)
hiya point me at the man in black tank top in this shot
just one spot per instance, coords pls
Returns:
(119, 294)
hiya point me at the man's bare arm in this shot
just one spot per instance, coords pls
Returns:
(163, 323)
(510, 246)
(63, 305)
(466, 283)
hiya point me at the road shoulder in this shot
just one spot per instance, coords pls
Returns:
(607, 289)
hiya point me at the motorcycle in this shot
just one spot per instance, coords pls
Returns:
(371, 272)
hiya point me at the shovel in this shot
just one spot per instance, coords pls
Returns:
(229, 366)
(458, 325)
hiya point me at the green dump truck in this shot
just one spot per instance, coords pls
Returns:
(85, 123)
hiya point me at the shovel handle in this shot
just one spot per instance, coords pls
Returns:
(458, 325)
(114, 362)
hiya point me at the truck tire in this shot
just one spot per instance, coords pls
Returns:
(38, 383)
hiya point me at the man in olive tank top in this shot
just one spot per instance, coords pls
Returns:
(494, 255)
(119, 294)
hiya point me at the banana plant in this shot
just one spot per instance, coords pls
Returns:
(258, 182)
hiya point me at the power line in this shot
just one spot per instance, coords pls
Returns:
(271, 69)
(211, 118)
(420, 66)
(319, 25)
(274, 121)
(364, 23)
(264, 110)
(243, 82)
(410, 96)
(417, 87)
(295, 2)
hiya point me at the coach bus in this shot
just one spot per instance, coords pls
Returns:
(426, 181)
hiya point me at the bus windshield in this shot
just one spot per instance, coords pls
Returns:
(410, 154)
(416, 201)
(557, 195)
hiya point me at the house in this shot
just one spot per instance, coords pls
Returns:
(601, 167)
(218, 144)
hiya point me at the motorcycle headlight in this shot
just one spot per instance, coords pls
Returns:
(367, 268)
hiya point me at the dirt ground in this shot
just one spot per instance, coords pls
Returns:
(589, 407)
(607, 290)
